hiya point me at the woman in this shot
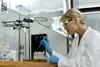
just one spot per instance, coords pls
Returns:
(85, 47)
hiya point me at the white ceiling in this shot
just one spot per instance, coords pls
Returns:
(34, 6)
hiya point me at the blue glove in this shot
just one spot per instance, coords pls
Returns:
(53, 59)
(46, 44)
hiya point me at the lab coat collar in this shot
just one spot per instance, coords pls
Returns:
(85, 36)
(86, 33)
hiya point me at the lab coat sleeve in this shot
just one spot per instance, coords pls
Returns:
(77, 61)
(63, 62)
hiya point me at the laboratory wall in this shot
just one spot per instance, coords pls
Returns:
(88, 3)
(92, 17)
(9, 37)
(93, 20)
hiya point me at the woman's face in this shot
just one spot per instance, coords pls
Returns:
(70, 26)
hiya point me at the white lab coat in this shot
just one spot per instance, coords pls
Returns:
(87, 54)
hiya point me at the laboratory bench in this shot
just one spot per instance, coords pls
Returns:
(26, 63)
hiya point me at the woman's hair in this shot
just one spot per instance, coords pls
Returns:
(73, 13)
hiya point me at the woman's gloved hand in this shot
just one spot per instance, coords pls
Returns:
(53, 59)
(46, 44)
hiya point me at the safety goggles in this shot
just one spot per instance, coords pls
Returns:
(64, 24)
